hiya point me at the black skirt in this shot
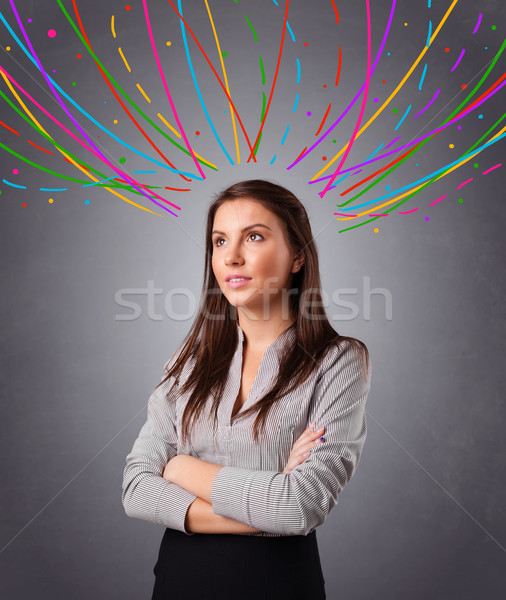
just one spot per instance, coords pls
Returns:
(227, 567)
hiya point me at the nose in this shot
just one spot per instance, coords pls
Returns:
(234, 255)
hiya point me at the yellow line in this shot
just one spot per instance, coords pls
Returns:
(125, 60)
(462, 162)
(169, 125)
(387, 101)
(210, 164)
(112, 26)
(226, 83)
(143, 93)
(25, 108)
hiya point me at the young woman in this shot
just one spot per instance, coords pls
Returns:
(259, 421)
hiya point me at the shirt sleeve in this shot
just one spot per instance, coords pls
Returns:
(295, 503)
(145, 493)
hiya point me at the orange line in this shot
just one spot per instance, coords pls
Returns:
(324, 119)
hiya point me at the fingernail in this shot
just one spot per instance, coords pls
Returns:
(321, 439)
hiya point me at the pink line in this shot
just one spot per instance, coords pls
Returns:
(345, 215)
(463, 184)
(408, 211)
(157, 59)
(364, 102)
(458, 60)
(424, 109)
(436, 201)
(492, 168)
(477, 24)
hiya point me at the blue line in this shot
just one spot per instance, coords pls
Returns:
(284, 137)
(273, 159)
(296, 102)
(423, 77)
(368, 158)
(97, 182)
(143, 171)
(290, 31)
(428, 3)
(376, 151)
(339, 180)
(429, 33)
(427, 177)
(21, 187)
(53, 189)
(298, 70)
(402, 119)
(275, 2)
(88, 116)
(188, 59)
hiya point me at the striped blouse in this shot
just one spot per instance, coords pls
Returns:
(251, 487)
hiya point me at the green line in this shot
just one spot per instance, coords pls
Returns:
(252, 28)
(122, 92)
(263, 106)
(258, 143)
(262, 70)
(485, 135)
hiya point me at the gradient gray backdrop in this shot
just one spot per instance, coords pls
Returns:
(424, 516)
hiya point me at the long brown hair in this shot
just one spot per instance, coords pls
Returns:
(212, 342)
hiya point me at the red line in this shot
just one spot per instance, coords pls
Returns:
(324, 119)
(178, 189)
(10, 128)
(273, 82)
(217, 77)
(301, 153)
(335, 10)
(47, 151)
(339, 65)
(120, 101)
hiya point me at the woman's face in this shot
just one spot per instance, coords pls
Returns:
(249, 240)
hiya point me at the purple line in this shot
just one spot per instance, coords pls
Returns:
(478, 24)
(393, 141)
(62, 104)
(424, 109)
(463, 184)
(414, 142)
(458, 60)
(383, 42)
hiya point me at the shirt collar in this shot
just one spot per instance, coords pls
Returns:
(286, 337)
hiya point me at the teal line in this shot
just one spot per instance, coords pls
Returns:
(402, 119)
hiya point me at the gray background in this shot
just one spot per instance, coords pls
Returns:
(424, 515)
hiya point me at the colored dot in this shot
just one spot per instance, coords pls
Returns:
(416, 165)
(388, 188)
(86, 201)
(376, 230)
(50, 201)
(122, 160)
(15, 171)
(476, 165)
(8, 48)
(447, 49)
(169, 43)
(306, 44)
(461, 200)
(427, 218)
(54, 70)
(51, 33)
(486, 47)
(24, 205)
(115, 121)
(451, 146)
(459, 127)
(334, 141)
(388, 53)
(405, 24)
(79, 56)
(395, 110)
(376, 100)
(128, 7)
(324, 158)
(224, 54)
(324, 85)
(197, 133)
(463, 86)
(29, 20)
(480, 116)
(74, 83)
(383, 81)
(308, 113)
(105, 101)
(494, 27)
(98, 136)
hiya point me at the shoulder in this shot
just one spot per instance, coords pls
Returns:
(347, 356)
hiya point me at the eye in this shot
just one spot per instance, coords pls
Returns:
(258, 234)
(217, 240)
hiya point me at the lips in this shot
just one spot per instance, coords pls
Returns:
(236, 276)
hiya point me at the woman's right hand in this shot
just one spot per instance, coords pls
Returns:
(302, 447)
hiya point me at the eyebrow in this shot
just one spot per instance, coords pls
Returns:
(244, 228)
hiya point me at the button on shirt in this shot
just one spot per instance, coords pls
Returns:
(251, 486)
